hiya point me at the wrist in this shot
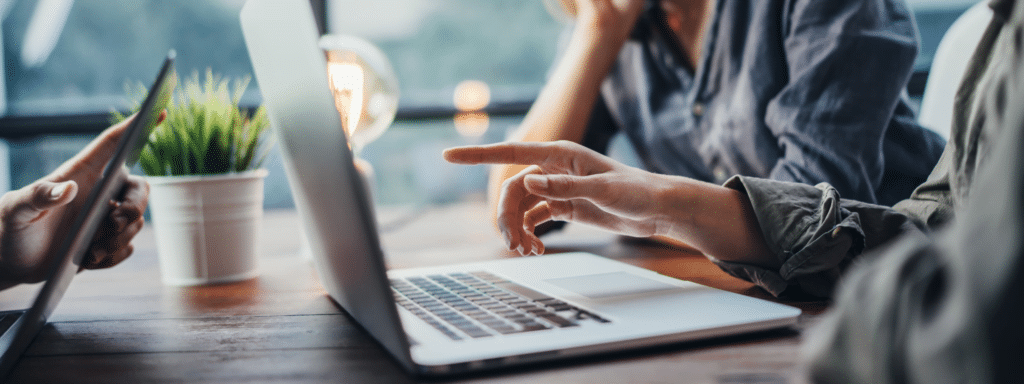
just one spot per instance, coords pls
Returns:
(715, 220)
(608, 22)
(706, 216)
(589, 57)
(597, 37)
(676, 201)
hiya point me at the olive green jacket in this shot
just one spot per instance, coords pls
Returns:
(934, 299)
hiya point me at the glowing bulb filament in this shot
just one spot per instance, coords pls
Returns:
(347, 80)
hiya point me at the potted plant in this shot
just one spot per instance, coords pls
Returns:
(203, 165)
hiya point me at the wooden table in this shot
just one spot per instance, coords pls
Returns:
(122, 325)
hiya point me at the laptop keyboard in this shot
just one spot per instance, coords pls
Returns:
(481, 304)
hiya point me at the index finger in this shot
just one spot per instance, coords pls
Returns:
(106, 142)
(500, 153)
(544, 154)
(96, 154)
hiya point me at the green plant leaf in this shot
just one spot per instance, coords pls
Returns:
(205, 132)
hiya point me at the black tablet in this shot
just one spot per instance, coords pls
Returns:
(24, 325)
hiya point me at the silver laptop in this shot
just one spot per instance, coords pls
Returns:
(458, 318)
(20, 327)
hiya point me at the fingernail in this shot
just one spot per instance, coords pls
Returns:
(59, 190)
(537, 182)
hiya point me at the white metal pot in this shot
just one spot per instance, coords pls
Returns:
(207, 227)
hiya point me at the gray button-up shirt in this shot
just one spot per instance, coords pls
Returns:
(807, 91)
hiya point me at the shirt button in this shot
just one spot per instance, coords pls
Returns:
(698, 109)
(721, 174)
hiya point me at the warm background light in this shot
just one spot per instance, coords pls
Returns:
(470, 98)
(347, 80)
(472, 124)
(471, 95)
(364, 85)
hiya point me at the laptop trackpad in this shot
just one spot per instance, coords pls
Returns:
(605, 285)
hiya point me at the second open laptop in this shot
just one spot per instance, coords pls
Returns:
(465, 317)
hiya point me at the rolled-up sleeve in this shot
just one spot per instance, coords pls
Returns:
(813, 232)
(848, 64)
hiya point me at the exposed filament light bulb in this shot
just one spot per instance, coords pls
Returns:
(364, 85)
(347, 79)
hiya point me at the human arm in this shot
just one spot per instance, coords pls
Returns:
(778, 235)
(566, 181)
(567, 99)
(33, 219)
(847, 63)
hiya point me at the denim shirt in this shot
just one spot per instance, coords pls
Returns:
(806, 91)
(817, 234)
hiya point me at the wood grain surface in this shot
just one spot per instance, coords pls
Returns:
(123, 326)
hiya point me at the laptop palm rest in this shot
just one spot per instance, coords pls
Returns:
(610, 285)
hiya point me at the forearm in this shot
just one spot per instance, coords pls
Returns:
(564, 104)
(717, 221)
(563, 108)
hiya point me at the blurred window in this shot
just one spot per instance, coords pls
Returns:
(933, 19)
(67, 57)
(434, 46)
(67, 63)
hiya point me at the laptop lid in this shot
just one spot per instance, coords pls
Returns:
(75, 244)
(291, 70)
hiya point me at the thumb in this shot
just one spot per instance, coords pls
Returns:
(49, 194)
(41, 196)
